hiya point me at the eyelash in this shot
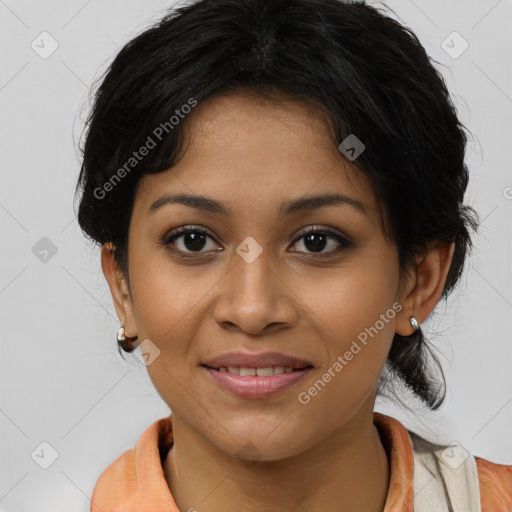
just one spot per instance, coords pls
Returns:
(177, 233)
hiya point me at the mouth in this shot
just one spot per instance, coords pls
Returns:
(265, 371)
(257, 381)
(243, 363)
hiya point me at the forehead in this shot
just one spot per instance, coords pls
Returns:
(244, 120)
(253, 150)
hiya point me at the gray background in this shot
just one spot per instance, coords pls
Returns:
(62, 380)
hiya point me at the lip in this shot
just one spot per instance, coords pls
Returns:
(254, 360)
(256, 387)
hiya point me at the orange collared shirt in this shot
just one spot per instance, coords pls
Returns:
(135, 482)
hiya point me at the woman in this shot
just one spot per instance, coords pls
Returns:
(278, 190)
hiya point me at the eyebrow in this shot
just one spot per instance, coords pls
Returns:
(305, 203)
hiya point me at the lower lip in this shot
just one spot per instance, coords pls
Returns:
(257, 387)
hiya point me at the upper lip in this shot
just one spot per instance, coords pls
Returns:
(262, 360)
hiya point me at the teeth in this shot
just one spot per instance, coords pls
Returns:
(261, 372)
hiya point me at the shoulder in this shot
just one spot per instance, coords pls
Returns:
(495, 485)
(135, 480)
(116, 483)
(460, 470)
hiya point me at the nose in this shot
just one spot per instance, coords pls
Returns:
(254, 297)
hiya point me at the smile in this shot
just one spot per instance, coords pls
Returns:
(255, 383)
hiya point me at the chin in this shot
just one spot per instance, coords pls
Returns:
(265, 445)
(257, 453)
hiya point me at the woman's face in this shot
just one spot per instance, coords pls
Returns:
(257, 281)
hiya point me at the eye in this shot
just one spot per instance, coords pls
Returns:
(190, 239)
(317, 239)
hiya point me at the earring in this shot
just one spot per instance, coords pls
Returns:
(414, 323)
(120, 334)
(125, 341)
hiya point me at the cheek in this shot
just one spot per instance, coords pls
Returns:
(354, 362)
(170, 303)
(354, 299)
(167, 296)
(355, 312)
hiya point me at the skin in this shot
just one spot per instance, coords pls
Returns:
(321, 456)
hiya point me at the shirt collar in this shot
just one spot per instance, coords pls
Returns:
(137, 478)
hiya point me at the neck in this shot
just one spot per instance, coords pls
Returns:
(346, 471)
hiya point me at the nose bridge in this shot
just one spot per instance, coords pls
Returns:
(252, 296)
(252, 274)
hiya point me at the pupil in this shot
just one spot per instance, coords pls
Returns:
(194, 241)
(314, 242)
(311, 245)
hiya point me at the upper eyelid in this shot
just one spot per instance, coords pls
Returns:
(186, 229)
(332, 232)
(320, 229)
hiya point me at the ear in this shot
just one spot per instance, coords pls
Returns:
(425, 287)
(119, 290)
